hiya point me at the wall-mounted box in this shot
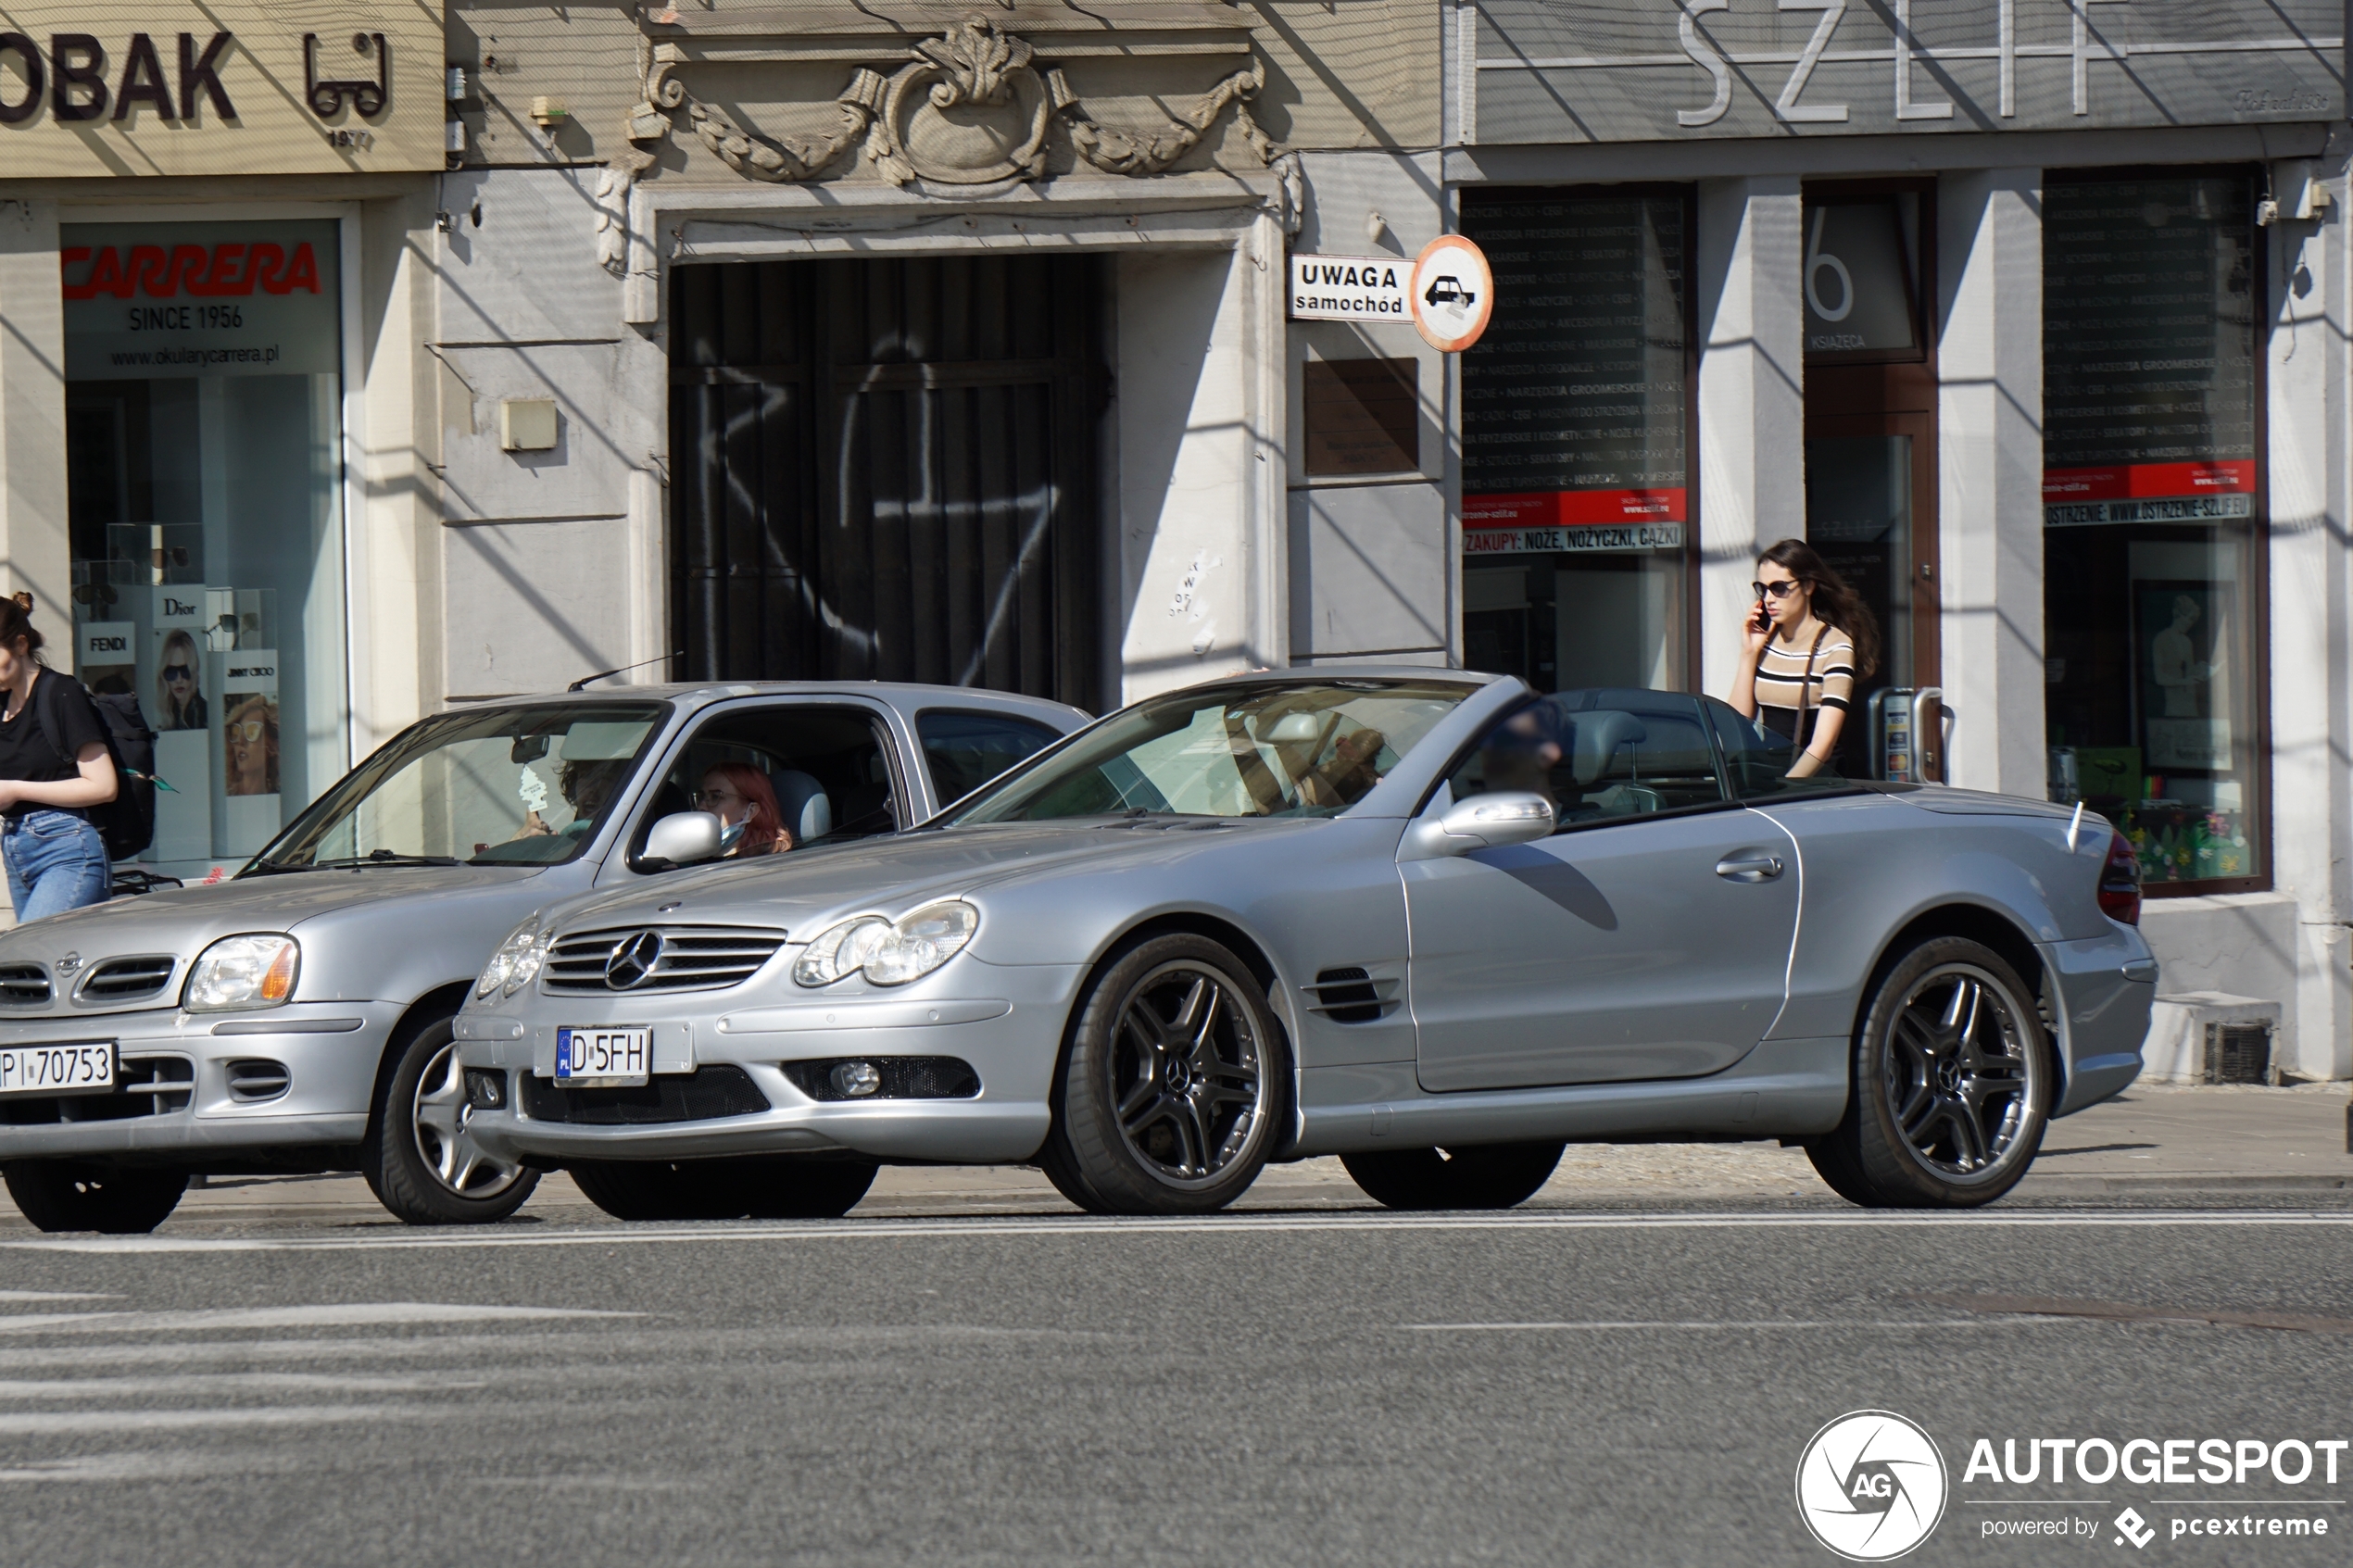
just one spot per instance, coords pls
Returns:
(527, 424)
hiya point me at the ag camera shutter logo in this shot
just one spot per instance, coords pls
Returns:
(1872, 1485)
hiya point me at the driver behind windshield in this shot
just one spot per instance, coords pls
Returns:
(586, 785)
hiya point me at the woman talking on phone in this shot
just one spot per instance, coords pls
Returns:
(53, 765)
(1803, 645)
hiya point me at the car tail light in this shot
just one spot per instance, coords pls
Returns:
(2120, 881)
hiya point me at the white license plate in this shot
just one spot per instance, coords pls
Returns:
(84, 1068)
(604, 1056)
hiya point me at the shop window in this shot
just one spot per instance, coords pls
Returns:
(1363, 416)
(203, 468)
(2154, 596)
(1576, 526)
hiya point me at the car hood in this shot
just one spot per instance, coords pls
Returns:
(183, 920)
(805, 891)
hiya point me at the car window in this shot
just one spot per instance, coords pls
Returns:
(965, 750)
(1248, 748)
(1757, 761)
(1599, 756)
(519, 785)
(825, 770)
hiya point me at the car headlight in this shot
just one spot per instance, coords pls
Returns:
(243, 971)
(515, 963)
(888, 952)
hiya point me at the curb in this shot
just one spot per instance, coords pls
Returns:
(2058, 1181)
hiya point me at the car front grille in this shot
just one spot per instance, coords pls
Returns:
(152, 1086)
(686, 958)
(711, 1093)
(127, 980)
(23, 984)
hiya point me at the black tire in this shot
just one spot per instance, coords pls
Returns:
(1953, 1077)
(805, 1189)
(664, 1189)
(65, 1195)
(1204, 1094)
(1492, 1176)
(417, 1158)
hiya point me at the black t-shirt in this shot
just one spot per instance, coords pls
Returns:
(31, 754)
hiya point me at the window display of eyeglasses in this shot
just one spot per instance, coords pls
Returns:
(203, 455)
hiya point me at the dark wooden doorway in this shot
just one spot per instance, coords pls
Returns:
(1870, 423)
(885, 470)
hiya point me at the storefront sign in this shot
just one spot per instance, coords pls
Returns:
(1348, 288)
(231, 88)
(155, 300)
(1631, 70)
(1576, 540)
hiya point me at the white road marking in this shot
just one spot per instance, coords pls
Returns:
(359, 1314)
(149, 1464)
(1728, 1328)
(222, 1382)
(1259, 1223)
(60, 1296)
(33, 1422)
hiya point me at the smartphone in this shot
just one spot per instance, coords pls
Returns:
(1763, 619)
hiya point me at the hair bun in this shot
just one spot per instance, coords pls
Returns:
(24, 600)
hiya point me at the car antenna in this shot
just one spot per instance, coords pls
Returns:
(583, 683)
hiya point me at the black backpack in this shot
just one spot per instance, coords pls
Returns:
(128, 821)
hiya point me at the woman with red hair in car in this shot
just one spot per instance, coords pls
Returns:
(750, 822)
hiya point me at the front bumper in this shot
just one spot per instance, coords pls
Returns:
(330, 1052)
(1011, 1038)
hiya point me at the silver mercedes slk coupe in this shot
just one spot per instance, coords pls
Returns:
(295, 1017)
(1430, 921)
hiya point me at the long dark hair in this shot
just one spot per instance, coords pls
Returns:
(1834, 604)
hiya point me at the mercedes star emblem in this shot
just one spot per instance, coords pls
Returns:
(633, 959)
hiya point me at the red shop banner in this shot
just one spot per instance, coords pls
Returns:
(2136, 482)
(1573, 508)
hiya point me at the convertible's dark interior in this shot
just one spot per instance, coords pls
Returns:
(827, 766)
(1600, 754)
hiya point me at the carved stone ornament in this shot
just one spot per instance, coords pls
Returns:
(969, 107)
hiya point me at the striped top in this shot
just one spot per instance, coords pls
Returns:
(1781, 680)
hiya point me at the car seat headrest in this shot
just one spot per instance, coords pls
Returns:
(1598, 737)
(807, 811)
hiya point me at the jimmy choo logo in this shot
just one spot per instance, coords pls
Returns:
(82, 70)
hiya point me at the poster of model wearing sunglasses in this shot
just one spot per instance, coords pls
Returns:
(249, 747)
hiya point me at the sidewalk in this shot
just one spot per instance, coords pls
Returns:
(2157, 1143)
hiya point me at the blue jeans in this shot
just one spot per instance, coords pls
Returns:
(57, 862)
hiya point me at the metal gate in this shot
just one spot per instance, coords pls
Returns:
(885, 470)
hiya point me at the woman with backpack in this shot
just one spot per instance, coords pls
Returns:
(54, 767)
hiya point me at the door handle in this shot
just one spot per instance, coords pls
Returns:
(1749, 865)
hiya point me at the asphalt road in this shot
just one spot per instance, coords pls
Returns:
(1310, 1384)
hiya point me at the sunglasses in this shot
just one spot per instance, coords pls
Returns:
(248, 729)
(177, 672)
(1781, 589)
(707, 796)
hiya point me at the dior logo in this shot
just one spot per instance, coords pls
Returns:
(174, 606)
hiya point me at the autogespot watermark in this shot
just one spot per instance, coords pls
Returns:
(1872, 1485)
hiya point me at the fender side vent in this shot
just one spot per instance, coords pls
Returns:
(1352, 996)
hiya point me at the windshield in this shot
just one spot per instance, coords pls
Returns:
(486, 787)
(1276, 749)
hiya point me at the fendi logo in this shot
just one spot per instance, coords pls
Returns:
(81, 71)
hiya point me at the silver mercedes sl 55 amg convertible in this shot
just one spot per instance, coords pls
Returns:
(1431, 921)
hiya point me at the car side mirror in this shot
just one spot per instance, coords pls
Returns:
(1483, 821)
(683, 838)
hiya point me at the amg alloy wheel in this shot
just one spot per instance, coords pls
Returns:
(419, 1160)
(1952, 1084)
(1172, 1091)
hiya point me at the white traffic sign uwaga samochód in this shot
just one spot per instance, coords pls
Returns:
(1348, 288)
(1452, 293)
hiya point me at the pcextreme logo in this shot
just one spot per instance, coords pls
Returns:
(1872, 1485)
